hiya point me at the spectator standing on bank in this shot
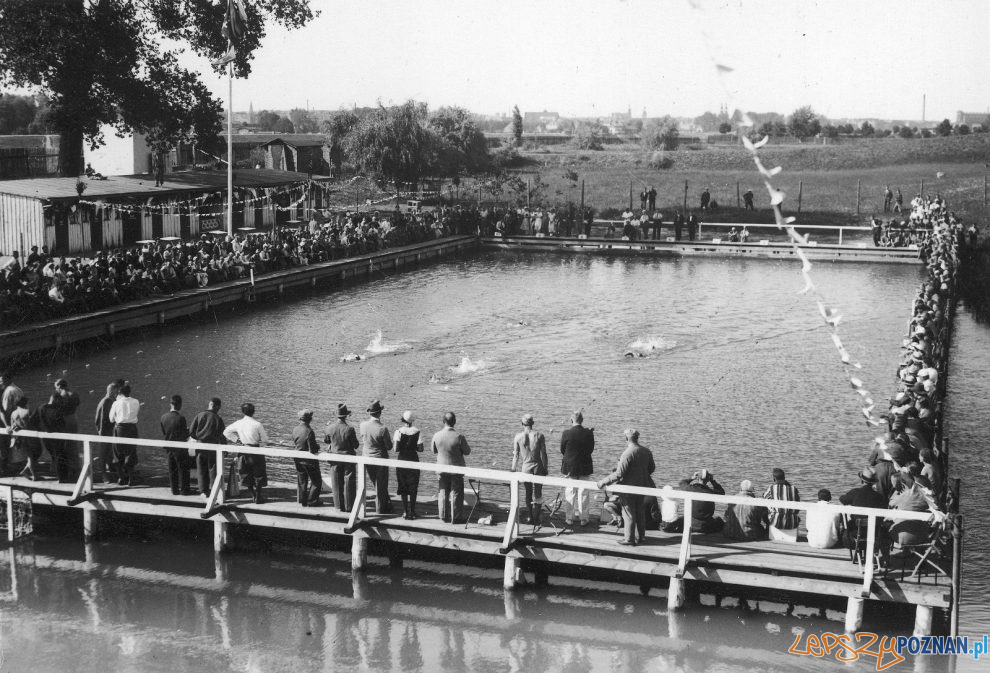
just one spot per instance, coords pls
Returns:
(706, 198)
(450, 447)
(309, 481)
(207, 428)
(633, 469)
(376, 442)
(783, 522)
(651, 198)
(175, 429)
(888, 196)
(124, 416)
(748, 200)
(246, 431)
(529, 455)
(577, 443)
(343, 440)
(408, 445)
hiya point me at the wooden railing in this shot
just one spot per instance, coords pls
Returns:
(83, 489)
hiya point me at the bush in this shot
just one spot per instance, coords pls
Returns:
(906, 132)
(659, 161)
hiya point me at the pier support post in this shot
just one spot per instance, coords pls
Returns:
(923, 620)
(854, 614)
(513, 575)
(221, 537)
(676, 594)
(359, 552)
(90, 524)
(513, 605)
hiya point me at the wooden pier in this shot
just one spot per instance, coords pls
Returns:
(710, 248)
(105, 323)
(676, 560)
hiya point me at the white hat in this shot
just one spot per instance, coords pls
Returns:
(407, 417)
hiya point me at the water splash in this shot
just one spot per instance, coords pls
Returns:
(649, 346)
(468, 366)
(378, 345)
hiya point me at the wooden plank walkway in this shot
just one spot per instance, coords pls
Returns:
(614, 246)
(774, 567)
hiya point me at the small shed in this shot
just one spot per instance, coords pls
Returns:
(74, 215)
(297, 152)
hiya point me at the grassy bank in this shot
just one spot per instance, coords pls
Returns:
(828, 178)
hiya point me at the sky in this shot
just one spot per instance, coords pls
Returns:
(589, 58)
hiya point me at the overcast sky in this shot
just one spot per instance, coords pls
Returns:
(846, 58)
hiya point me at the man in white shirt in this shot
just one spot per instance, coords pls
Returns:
(249, 432)
(824, 523)
(124, 416)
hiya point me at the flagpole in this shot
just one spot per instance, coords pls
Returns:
(230, 148)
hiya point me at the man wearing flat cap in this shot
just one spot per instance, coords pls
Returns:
(864, 495)
(376, 442)
(343, 440)
(309, 482)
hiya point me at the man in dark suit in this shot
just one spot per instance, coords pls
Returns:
(207, 427)
(576, 445)
(633, 469)
(174, 429)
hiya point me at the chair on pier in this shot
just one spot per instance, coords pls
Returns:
(930, 557)
(856, 537)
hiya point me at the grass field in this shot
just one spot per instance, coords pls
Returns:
(827, 177)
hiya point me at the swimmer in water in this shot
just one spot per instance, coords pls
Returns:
(351, 357)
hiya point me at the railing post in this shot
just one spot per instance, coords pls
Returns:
(871, 541)
(840, 235)
(512, 523)
(9, 492)
(676, 591)
(357, 511)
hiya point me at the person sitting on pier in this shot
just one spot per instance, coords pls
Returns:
(175, 429)
(783, 522)
(864, 495)
(911, 496)
(529, 454)
(246, 431)
(671, 520)
(745, 522)
(376, 442)
(703, 519)
(824, 524)
(343, 440)
(577, 443)
(408, 444)
(633, 469)
(744, 234)
(733, 235)
(450, 447)
(309, 481)
(124, 416)
(207, 427)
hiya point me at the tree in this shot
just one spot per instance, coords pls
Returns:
(944, 128)
(830, 131)
(517, 126)
(707, 121)
(284, 125)
(725, 127)
(266, 120)
(588, 136)
(16, 114)
(906, 132)
(302, 122)
(393, 143)
(102, 63)
(661, 134)
(962, 130)
(804, 123)
(867, 130)
(461, 146)
(335, 130)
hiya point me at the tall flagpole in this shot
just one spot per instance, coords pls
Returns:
(230, 148)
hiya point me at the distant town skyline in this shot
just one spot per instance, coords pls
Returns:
(590, 58)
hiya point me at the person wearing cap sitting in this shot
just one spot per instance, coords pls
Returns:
(343, 440)
(408, 444)
(529, 453)
(450, 447)
(783, 522)
(376, 442)
(633, 469)
(703, 519)
(309, 481)
(745, 522)
(864, 495)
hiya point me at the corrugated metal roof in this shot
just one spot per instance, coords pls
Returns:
(144, 185)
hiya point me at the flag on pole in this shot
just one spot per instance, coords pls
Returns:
(234, 28)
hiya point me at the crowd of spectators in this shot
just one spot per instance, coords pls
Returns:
(43, 286)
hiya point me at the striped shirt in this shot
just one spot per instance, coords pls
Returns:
(783, 518)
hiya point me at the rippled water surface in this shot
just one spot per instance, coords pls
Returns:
(737, 374)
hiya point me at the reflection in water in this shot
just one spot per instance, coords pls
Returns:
(287, 612)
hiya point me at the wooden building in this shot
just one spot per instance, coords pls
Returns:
(297, 152)
(122, 210)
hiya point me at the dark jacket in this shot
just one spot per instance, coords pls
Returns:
(174, 427)
(746, 522)
(634, 468)
(576, 445)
